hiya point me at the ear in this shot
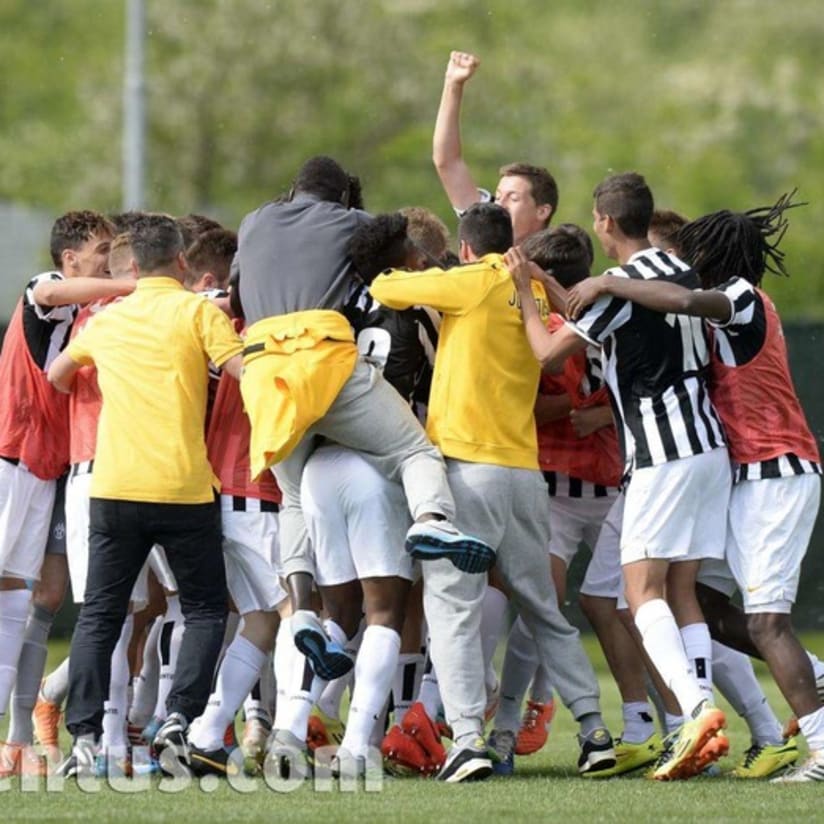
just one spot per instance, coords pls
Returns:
(544, 212)
(465, 252)
(208, 281)
(181, 264)
(68, 259)
(133, 267)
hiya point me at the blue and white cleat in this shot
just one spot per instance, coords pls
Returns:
(431, 540)
(328, 658)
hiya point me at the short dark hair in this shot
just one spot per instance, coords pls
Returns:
(123, 221)
(73, 229)
(566, 251)
(193, 225)
(627, 199)
(729, 244)
(325, 178)
(541, 182)
(667, 224)
(212, 252)
(380, 244)
(486, 227)
(156, 241)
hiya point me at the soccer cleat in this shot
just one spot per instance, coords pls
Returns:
(630, 757)
(112, 766)
(253, 744)
(323, 730)
(703, 762)
(811, 770)
(765, 760)
(82, 760)
(328, 658)
(597, 753)
(435, 539)
(46, 718)
(534, 729)
(502, 751)
(690, 753)
(286, 756)
(421, 727)
(20, 759)
(150, 730)
(134, 733)
(170, 740)
(212, 762)
(466, 764)
(229, 736)
(404, 756)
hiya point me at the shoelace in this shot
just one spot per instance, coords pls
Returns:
(751, 755)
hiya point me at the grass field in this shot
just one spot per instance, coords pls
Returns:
(545, 787)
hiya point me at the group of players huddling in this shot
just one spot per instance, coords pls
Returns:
(256, 518)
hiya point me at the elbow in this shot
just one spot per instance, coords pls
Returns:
(551, 365)
(45, 294)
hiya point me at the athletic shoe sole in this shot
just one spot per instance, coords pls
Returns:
(684, 765)
(467, 554)
(326, 663)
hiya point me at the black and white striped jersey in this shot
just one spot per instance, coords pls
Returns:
(46, 328)
(655, 367)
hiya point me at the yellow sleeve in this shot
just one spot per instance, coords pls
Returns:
(80, 348)
(220, 341)
(454, 291)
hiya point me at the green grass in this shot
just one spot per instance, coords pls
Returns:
(545, 787)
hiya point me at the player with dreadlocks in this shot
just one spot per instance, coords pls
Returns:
(777, 488)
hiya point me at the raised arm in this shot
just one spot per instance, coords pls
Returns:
(79, 290)
(658, 295)
(447, 156)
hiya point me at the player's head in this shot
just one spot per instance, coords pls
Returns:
(157, 247)
(427, 231)
(123, 221)
(484, 228)
(209, 259)
(80, 242)
(530, 195)
(325, 179)
(192, 226)
(381, 244)
(622, 210)
(664, 227)
(121, 257)
(565, 251)
(728, 244)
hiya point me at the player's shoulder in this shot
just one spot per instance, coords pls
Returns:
(44, 277)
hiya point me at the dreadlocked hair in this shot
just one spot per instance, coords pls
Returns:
(729, 244)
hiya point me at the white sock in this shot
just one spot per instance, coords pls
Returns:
(812, 728)
(520, 666)
(237, 675)
(672, 722)
(301, 700)
(287, 660)
(735, 678)
(329, 701)
(406, 683)
(638, 724)
(698, 646)
(56, 686)
(144, 685)
(374, 670)
(493, 610)
(663, 644)
(430, 694)
(818, 666)
(171, 634)
(14, 612)
(115, 708)
(260, 702)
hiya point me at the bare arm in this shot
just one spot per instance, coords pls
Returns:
(234, 366)
(447, 155)
(657, 295)
(550, 348)
(79, 290)
(550, 408)
(590, 419)
(554, 291)
(62, 371)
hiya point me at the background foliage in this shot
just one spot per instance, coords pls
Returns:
(718, 102)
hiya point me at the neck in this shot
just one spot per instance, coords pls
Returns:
(162, 273)
(627, 247)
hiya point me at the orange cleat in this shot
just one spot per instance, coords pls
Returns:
(421, 727)
(534, 727)
(46, 717)
(404, 756)
(20, 759)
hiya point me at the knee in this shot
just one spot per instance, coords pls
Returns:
(765, 627)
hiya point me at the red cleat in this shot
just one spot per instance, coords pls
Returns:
(421, 727)
(534, 727)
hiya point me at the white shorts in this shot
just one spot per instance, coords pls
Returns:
(26, 504)
(574, 521)
(715, 573)
(677, 511)
(770, 524)
(252, 555)
(77, 542)
(159, 565)
(357, 519)
(603, 578)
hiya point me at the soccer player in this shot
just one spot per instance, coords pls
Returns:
(303, 377)
(489, 440)
(151, 482)
(34, 447)
(207, 260)
(777, 489)
(673, 447)
(529, 193)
